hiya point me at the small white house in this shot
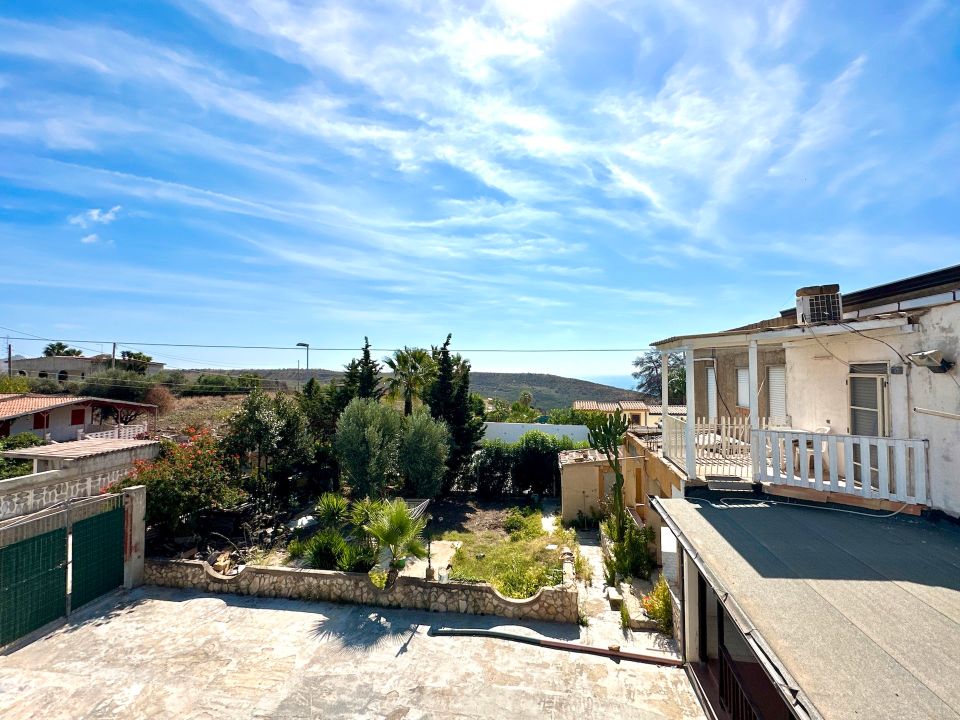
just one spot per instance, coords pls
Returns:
(871, 392)
(59, 417)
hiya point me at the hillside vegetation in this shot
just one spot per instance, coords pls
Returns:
(549, 391)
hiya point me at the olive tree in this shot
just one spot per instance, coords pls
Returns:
(424, 449)
(367, 443)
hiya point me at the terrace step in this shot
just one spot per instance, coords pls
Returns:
(614, 598)
(727, 483)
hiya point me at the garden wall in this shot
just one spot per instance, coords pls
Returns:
(556, 604)
(85, 477)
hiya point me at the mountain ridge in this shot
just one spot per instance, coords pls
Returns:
(549, 391)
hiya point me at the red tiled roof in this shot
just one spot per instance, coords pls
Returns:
(609, 407)
(12, 406)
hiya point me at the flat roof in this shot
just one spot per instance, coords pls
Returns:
(76, 449)
(863, 612)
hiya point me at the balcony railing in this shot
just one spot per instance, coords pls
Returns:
(124, 432)
(722, 446)
(674, 447)
(870, 467)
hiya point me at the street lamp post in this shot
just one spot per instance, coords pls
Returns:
(307, 346)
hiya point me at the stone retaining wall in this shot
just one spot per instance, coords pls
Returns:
(557, 604)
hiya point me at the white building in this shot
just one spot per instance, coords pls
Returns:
(872, 411)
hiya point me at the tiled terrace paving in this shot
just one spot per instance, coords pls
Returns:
(170, 653)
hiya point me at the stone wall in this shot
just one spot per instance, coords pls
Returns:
(85, 478)
(557, 604)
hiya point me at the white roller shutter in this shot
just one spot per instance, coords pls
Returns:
(711, 394)
(743, 387)
(777, 385)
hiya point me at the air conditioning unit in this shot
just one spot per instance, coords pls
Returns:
(819, 304)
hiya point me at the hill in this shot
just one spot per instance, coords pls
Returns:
(549, 391)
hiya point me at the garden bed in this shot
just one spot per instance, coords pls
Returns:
(514, 554)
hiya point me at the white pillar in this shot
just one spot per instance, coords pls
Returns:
(754, 387)
(691, 439)
(754, 402)
(665, 396)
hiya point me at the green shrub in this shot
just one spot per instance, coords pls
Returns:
(523, 523)
(378, 577)
(184, 479)
(14, 468)
(582, 567)
(422, 456)
(523, 580)
(491, 469)
(355, 558)
(530, 465)
(609, 571)
(324, 549)
(296, 549)
(624, 615)
(14, 384)
(332, 510)
(632, 554)
(659, 606)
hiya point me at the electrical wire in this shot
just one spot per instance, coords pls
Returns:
(814, 336)
(861, 334)
(132, 344)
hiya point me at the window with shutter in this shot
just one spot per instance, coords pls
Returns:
(743, 387)
(777, 387)
(78, 416)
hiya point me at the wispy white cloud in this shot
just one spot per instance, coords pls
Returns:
(451, 156)
(95, 216)
(89, 239)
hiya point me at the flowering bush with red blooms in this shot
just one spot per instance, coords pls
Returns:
(185, 478)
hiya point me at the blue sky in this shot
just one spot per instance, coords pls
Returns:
(551, 173)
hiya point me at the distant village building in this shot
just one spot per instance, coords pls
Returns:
(635, 410)
(69, 368)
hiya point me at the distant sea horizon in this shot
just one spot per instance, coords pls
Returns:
(619, 381)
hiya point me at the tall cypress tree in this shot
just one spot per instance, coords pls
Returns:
(449, 400)
(368, 384)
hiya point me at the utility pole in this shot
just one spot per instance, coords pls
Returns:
(113, 358)
(9, 360)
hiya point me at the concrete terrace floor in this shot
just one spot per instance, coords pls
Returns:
(163, 653)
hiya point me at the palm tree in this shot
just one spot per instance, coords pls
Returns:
(412, 369)
(59, 349)
(362, 513)
(398, 534)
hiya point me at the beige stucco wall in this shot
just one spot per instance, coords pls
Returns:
(581, 485)
(818, 396)
(726, 361)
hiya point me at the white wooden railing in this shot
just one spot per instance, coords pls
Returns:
(722, 446)
(674, 446)
(123, 432)
(870, 467)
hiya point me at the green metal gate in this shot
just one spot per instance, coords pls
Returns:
(33, 583)
(97, 556)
